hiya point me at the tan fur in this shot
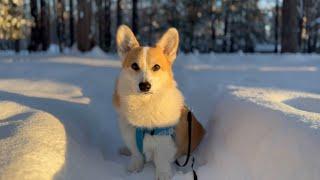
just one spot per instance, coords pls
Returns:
(169, 42)
(116, 98)
(125, 40)
(181, 139)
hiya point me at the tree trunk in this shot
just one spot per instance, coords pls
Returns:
(300, 33)
(276, 28)
(101, 21)
(213, 29)
(83, 26)
(309, 41)
(107, 28)
(71, 23)
(315, 40)
(45, 25)
(17, 45)
(135, 16)
(289, 41)
(226, 29)
(35, 38)
(151, 19)
(60, 25)
(119, 12)
(192, 10)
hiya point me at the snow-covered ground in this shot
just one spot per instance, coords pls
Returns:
(261, 112)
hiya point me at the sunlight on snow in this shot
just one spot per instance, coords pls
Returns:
(44, 89)
(86, 61)
(201, 67)
(289, 69)
(300, 104)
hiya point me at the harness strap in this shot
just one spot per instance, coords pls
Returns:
(189, 119)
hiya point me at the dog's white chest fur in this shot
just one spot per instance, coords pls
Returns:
(155, 110)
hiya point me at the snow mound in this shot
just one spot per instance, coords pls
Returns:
(33, 143)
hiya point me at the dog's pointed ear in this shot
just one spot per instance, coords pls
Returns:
(169, 42)
(125, 40)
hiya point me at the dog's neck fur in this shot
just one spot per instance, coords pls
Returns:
(161, 109)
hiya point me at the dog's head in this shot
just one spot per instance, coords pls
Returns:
(146, 70)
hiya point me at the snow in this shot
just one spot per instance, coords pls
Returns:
(261, 112)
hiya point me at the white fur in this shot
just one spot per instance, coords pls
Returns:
(128, 135)
(144, 59)
(159, 149)
(155, 110)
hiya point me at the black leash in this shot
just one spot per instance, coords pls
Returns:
(189, 119)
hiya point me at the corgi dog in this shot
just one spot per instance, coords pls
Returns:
(146, 97)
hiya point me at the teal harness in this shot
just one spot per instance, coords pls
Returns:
(141, 132)
(167, 131)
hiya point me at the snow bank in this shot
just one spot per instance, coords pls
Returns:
(258, 133)
(57, 120)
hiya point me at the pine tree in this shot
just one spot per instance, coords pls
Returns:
(13, 23)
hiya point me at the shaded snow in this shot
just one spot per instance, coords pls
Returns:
(261, 113)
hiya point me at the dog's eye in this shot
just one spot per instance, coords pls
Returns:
(135, 66)
(156, 67)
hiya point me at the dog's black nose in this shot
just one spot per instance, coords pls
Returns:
(144, 86)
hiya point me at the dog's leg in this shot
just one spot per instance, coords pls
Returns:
(163, 156)
(128, 134)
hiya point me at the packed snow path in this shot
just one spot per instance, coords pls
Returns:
(261, 112)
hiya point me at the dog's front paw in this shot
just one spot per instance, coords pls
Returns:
(163, 176)
(136, 164)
